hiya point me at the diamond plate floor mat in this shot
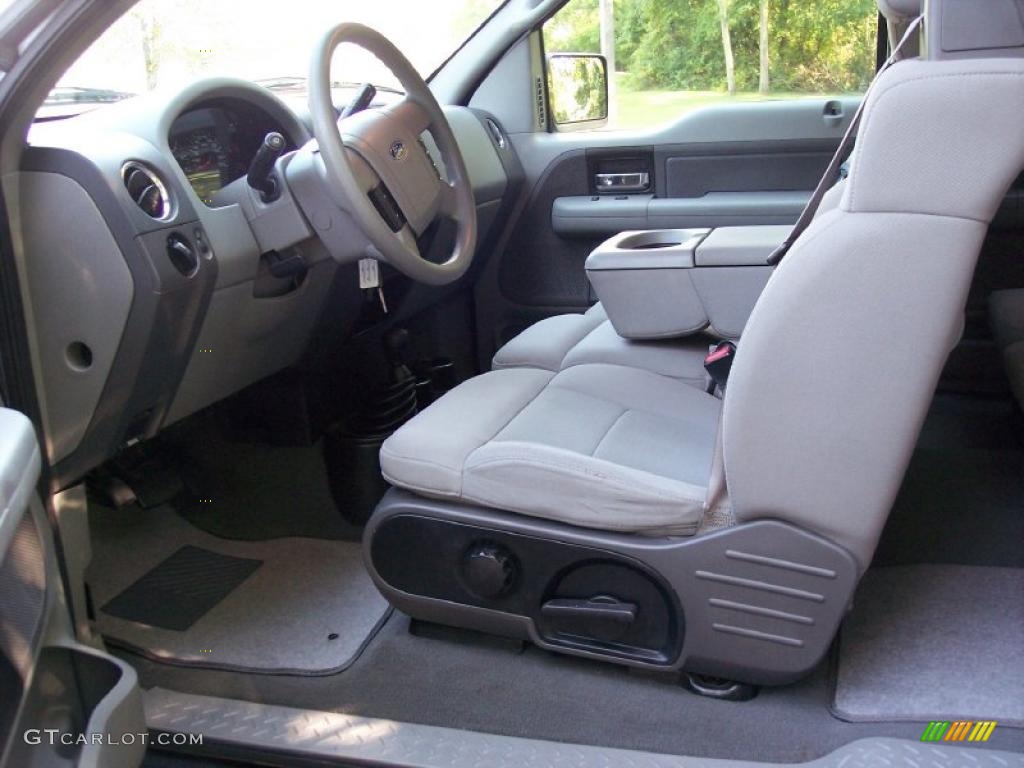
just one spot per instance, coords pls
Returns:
(180, 590)
(329, 736)
(179, 595)
(934, 642)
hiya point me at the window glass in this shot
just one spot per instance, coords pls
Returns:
(672, 56)
(162, 43)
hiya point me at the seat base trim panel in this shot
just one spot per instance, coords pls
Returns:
(758, 602)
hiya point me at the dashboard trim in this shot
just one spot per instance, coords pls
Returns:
(152, 353)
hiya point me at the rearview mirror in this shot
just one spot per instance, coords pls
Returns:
(578, 90)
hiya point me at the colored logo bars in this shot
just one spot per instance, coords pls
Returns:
(959, 730)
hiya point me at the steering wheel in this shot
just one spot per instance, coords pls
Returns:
(378, 169)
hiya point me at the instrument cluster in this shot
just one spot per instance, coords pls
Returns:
(215, 141)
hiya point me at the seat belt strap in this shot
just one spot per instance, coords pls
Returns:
(807, 215)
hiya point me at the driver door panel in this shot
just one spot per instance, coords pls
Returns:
(50, 680)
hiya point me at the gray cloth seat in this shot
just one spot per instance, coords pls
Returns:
(600, 446)
(1006, 311)
(563, 341)
(816, 431)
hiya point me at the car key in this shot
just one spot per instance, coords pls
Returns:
(369, 279)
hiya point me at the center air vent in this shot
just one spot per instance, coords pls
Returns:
(146, 189)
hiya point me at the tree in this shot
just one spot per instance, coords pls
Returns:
(607, 25)
(574, 29)
(764, 80)
(150, 40)
(730, 62)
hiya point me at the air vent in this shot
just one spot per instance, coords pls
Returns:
(496, 134)
(146, 189)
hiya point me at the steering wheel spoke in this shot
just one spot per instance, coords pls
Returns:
(387, 144)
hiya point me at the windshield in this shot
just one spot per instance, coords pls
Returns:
(165, 43)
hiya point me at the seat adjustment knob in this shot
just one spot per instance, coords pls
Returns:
(489, 570)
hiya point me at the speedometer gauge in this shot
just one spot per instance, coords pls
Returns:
(202, 158)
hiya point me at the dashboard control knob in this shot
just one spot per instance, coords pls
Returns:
(489, 569)
(182, 255)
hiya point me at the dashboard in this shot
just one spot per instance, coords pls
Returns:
(215, 141)
(125, 208)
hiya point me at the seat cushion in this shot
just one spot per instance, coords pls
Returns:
(599, 446)
(560, 342)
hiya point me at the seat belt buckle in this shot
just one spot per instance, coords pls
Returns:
(718, 362)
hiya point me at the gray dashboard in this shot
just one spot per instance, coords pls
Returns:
(150, 299)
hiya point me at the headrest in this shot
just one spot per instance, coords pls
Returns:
(900, 10)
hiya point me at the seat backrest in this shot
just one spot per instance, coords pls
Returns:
(842, 353)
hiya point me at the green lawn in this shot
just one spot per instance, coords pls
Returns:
(647, 109)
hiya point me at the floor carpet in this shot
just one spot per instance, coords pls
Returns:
(934, 642)
(962, 499)
(308, 607)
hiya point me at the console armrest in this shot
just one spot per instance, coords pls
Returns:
(740, 246)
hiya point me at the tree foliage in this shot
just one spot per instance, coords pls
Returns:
(814, 45)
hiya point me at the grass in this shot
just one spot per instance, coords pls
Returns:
(650, 109)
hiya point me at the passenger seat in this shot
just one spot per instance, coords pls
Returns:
(564, 341)
(1006, 310)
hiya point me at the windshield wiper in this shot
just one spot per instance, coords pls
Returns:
(73, 95)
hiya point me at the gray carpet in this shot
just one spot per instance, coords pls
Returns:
(934, 642)
(309, 608)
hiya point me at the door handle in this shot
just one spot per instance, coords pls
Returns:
(633, 181)
(833, 113)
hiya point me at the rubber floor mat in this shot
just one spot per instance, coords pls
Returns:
(180, 590)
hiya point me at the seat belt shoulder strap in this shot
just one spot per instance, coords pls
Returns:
(828, 179)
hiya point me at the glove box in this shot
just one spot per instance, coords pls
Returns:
(664, 283)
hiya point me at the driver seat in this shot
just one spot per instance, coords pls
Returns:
(614, 512)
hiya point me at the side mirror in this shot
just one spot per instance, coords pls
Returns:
(578, 90)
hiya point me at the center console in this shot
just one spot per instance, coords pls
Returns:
(665, 283)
